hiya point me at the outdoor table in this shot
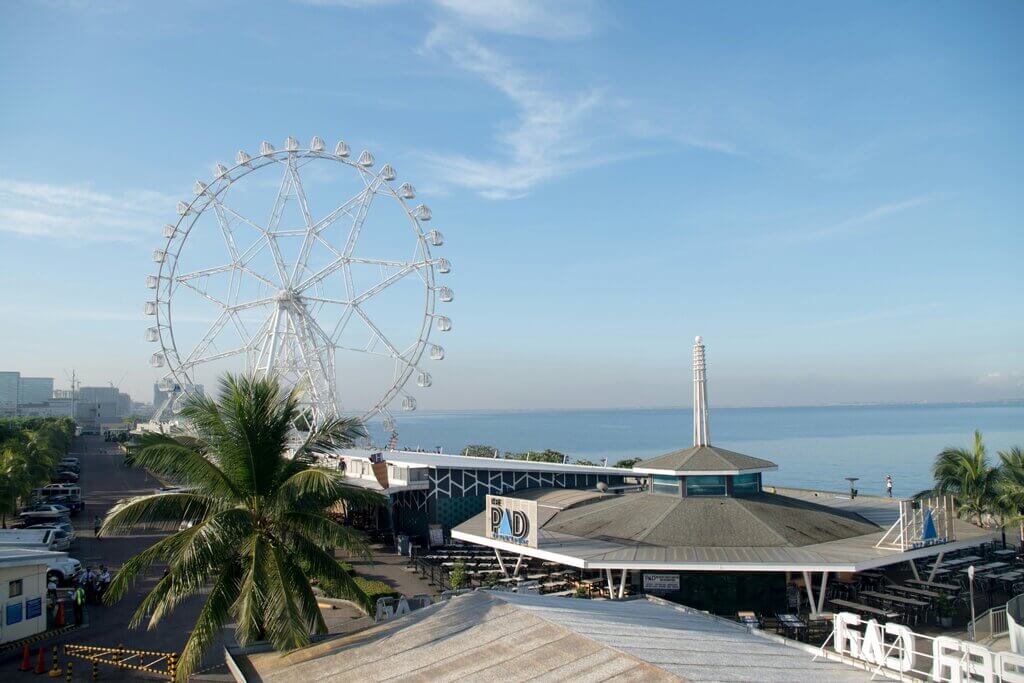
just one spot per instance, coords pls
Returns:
(1007, 552)
(792, 623)
(1008, 576)
(866, 609)
(749, 620)
(948, 587)
(969, 558)
(888, 597)
(915, 591)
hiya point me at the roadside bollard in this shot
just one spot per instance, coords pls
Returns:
(55, 670)
(67, 671)
(172, 665)
(95, 671)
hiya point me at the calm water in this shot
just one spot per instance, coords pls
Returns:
(814, 447)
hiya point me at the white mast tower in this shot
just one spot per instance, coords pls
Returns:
(701, 434)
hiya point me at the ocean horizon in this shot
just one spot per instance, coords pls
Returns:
(814, 446)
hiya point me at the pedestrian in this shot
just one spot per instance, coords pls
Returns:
(888, 484)
(78, 602)
(104, 582)
(96, 524)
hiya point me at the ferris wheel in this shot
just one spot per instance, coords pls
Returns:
(305, 264)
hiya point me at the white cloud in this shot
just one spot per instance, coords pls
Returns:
(850, 226)
(533, 18)
(553, 133)
(76, 211)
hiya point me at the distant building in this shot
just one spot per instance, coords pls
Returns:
(35, 390)
(9, 382)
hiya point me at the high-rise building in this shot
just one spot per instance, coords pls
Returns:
(34, 390)
(9, 383)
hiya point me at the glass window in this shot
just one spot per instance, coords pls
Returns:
(14, 589)
(705, 485)
(666, 483)
(746, 483)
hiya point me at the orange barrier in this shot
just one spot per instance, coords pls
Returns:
(41, 663)
(26, 660)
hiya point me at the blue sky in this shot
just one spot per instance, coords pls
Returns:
(828, 193)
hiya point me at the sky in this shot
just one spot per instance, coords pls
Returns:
(828, 193)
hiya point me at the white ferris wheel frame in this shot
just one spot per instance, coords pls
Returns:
(290, 343)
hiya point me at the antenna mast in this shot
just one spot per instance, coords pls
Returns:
(701, 433)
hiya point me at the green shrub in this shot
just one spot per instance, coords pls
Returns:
(363, 592)
(457, 578)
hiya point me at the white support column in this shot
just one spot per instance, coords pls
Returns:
(501, 563)
(913, 568)
(611, 584)
(821, 594)
(935, 567)
(519, 562)
(810, 592)
(622, 584)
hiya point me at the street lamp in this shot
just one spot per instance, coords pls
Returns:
(970, 579)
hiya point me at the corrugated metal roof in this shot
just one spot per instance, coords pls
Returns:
(417, 459)
(509, 637)
(691, 645)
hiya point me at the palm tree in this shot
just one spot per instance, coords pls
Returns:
(1011, 487)
(15, 479)
(968, 475)
(259, 520)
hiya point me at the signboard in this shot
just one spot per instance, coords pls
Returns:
(512, 520)
(13, 612)
(436, 534)
(661, 583)
(33, 608)
(924, 522)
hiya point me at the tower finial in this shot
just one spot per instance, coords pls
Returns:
(701, 433)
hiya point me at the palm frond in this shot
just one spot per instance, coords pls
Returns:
(331, 434)
(211, 620)
(166, 510)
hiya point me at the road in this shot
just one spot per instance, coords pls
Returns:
(104, 481)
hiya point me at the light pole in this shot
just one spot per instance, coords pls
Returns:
(970, 580)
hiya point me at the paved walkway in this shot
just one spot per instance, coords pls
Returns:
(390, 568)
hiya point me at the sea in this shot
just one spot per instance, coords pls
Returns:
(814, 447)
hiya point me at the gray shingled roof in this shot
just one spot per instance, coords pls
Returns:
(704, 459)
(762, 520)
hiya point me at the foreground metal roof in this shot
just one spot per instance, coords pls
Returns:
(508, 637)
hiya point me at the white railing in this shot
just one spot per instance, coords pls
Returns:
(990, 625)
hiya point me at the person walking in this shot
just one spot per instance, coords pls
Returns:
(97, 523)
(888, 484)
(78, 602)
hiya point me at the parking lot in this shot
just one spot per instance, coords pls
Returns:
(104, 481)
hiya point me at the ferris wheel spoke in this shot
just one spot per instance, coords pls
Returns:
(203, 293)
(225, 229)
(376, 331)
(309, 237)
(360, 217)
(209, 337)
(189, 365)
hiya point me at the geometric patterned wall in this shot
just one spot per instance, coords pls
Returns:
(457, 494)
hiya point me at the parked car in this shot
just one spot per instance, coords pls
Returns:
(67, 476)
(69, 461)
(44, 510)
(63, 467)
(74, 504)
(63, 570)
(62, 526)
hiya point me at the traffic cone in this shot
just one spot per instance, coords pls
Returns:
(41, 662)
(26, 660)
(55, 671)
(58, 621)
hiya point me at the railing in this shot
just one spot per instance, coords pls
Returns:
(990, 625)
(1015, 623)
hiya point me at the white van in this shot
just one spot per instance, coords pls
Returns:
(31, 539)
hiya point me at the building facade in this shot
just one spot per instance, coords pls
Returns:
(35, 390)
(9, 383)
